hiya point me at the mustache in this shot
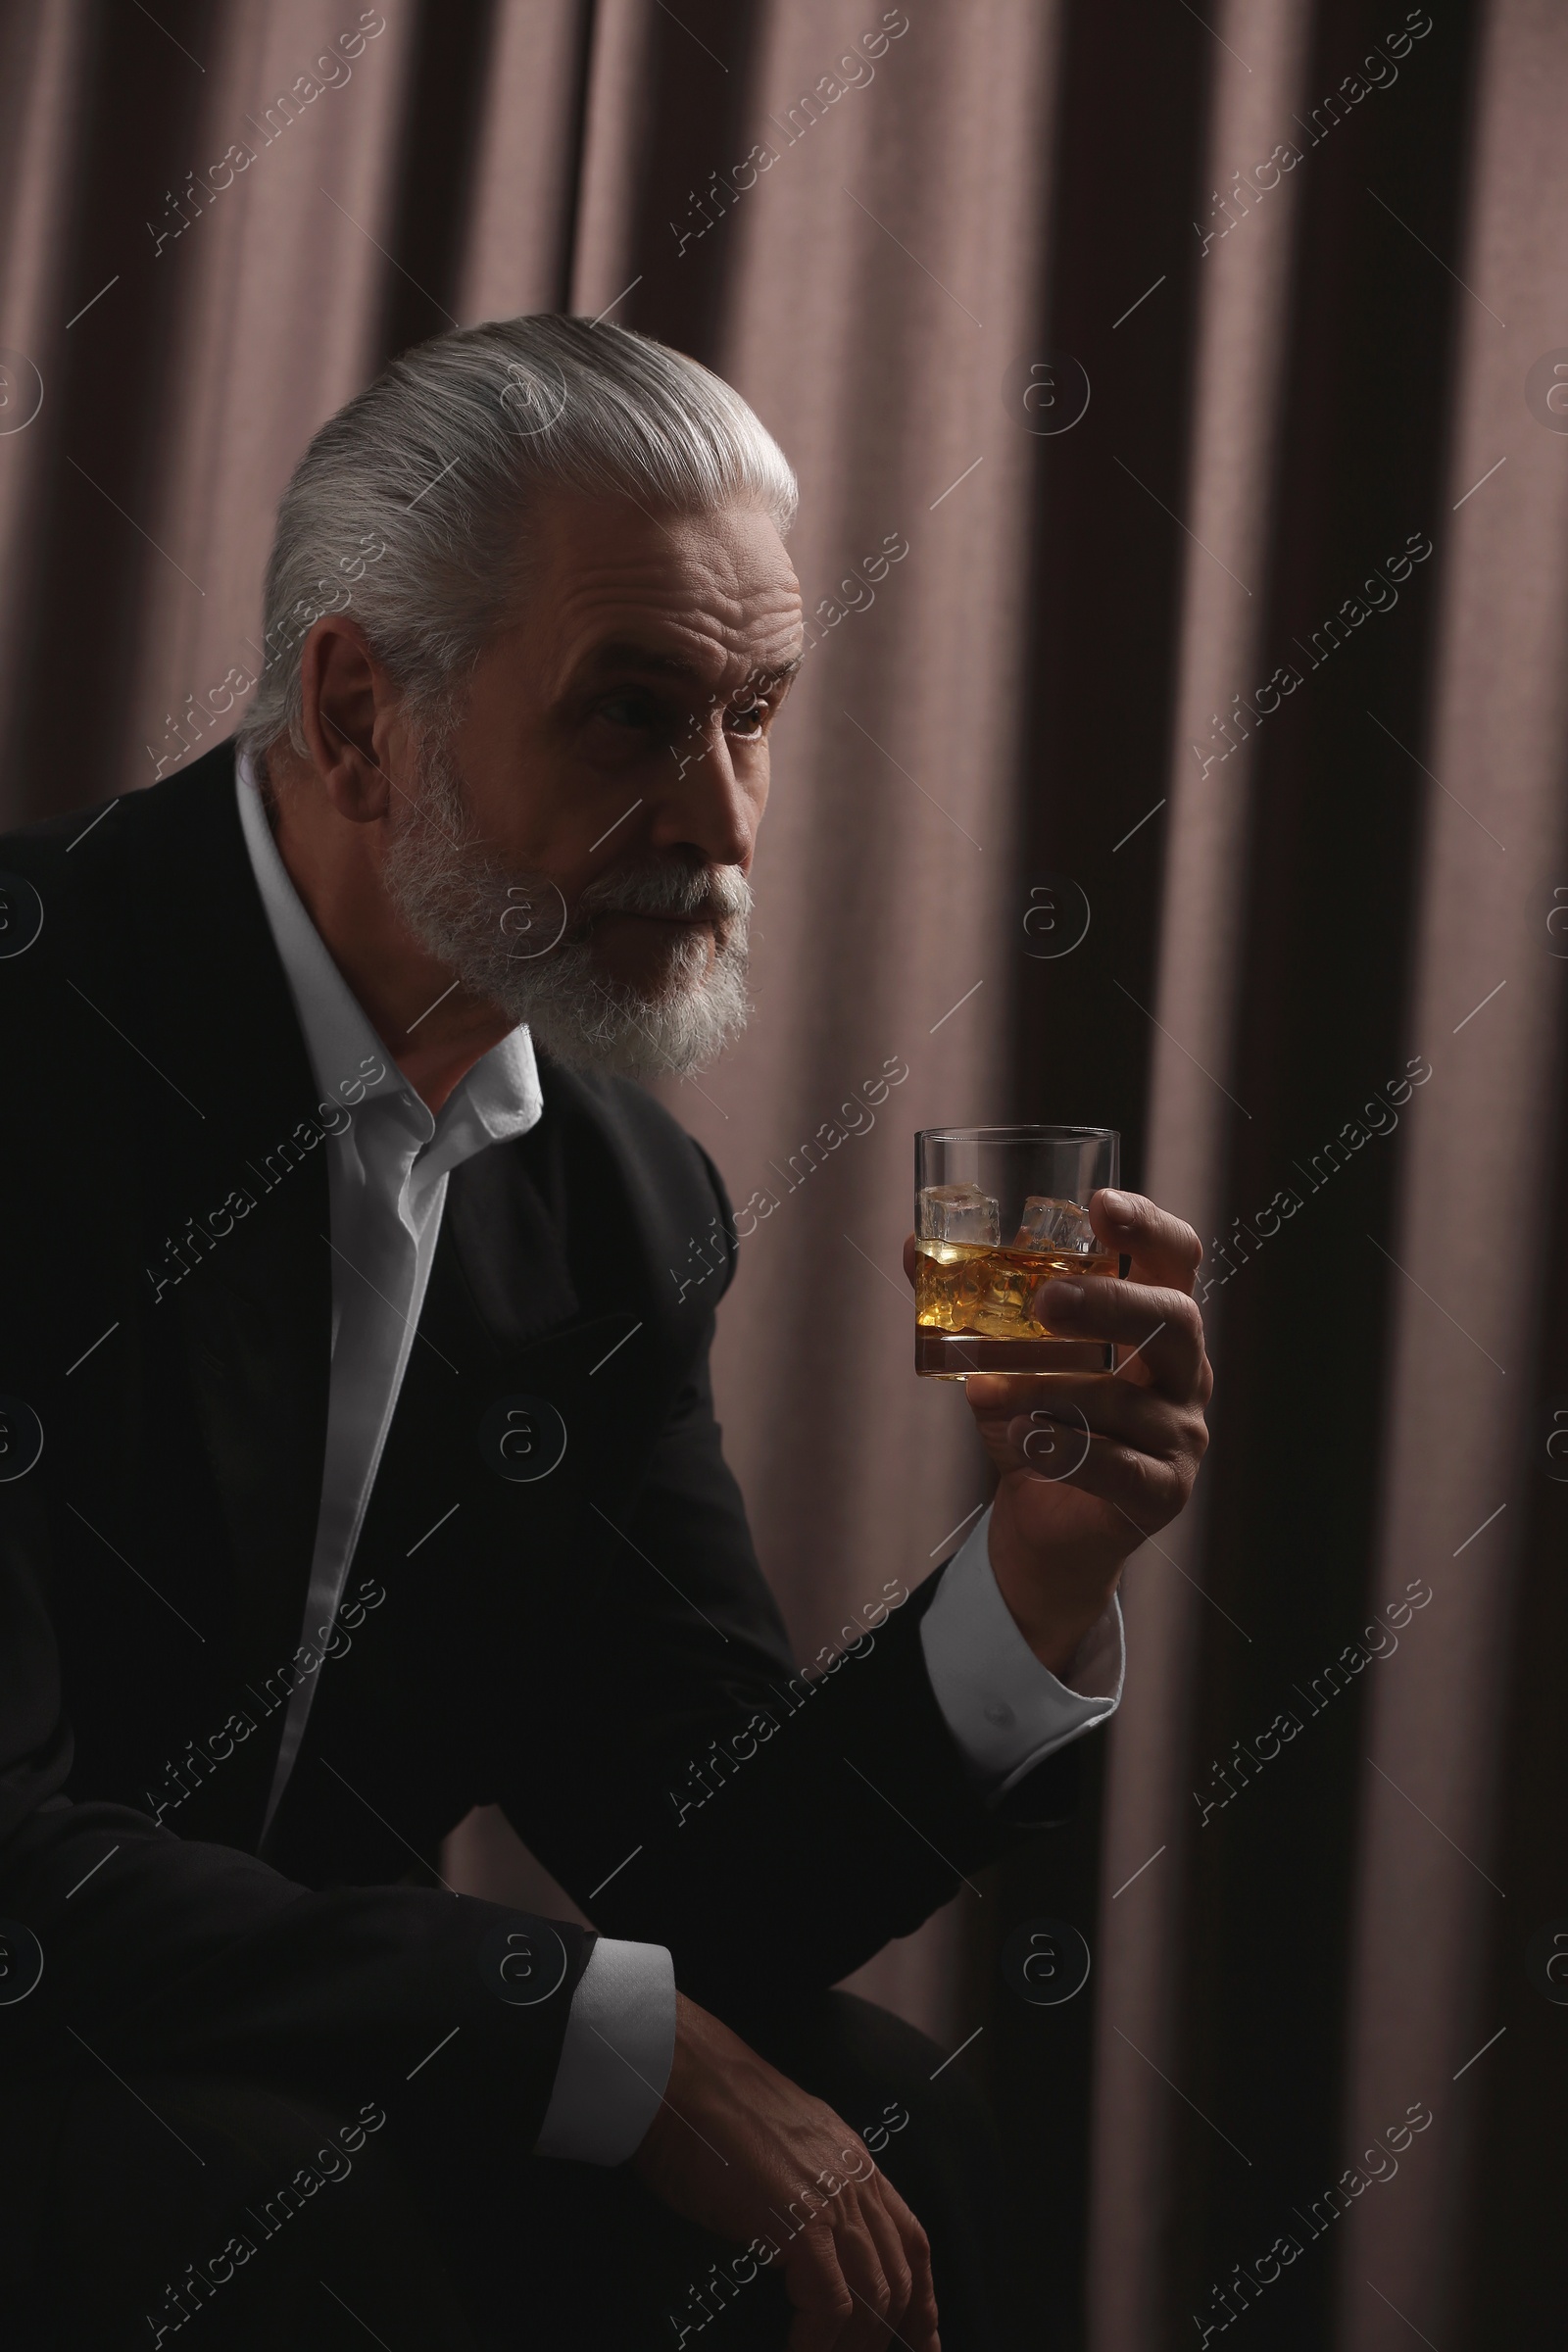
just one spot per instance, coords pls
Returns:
(718, 893)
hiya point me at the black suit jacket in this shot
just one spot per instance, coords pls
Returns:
(569, 1648)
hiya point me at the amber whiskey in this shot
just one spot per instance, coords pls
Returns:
(974, 1312)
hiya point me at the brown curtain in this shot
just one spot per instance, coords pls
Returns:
(1257, 662)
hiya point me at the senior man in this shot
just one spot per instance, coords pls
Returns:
(361, 1466)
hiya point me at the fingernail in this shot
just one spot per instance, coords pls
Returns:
(1053, 1297)
(1118, 1207)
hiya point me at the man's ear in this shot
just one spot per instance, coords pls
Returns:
(350, 716)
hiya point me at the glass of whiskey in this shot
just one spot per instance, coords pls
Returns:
(999, 1210)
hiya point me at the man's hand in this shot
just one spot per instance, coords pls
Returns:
(745, 2152)
(1091, 1464)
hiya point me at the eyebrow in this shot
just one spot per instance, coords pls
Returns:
(624, 652)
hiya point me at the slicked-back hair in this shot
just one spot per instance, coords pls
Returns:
(410, 507)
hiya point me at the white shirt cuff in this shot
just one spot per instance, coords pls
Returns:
(617, 2055)
(1006, 1710)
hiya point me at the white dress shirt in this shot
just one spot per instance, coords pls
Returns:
(387, 1179)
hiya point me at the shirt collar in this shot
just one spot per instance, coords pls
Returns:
(498, 1097)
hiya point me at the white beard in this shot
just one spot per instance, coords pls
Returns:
(507, 938)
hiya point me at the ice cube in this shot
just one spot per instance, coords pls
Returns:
(958, 1212)
(1056, 1225)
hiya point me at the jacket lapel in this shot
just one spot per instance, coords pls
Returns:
(245, 1204)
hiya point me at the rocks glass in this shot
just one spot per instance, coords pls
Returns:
(998, 1211)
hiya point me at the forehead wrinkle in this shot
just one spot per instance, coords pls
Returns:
(672, 572)
(672, 588)
(719, 640)
(716, 593)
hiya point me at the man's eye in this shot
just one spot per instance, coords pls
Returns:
(748, 723)
(630, 709)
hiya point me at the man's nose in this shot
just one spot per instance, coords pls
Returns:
(704, 805)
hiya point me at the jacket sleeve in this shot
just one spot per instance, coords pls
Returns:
(787, 1823)
(162, 1952)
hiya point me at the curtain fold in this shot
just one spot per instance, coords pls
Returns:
(1228, 500)
(1262, 655)
(43, 62)
(1462, 1445)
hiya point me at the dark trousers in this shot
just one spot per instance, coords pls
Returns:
(165, 2222)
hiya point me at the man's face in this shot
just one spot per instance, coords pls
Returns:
(582, 837)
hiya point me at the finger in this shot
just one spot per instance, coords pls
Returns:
(1161, 1327)
(1162, 1248)
(859, 2252)
(1146, 1488)
(920, 2319)
(834, 2276)
(918, 2326)
(823, 2305)
(892, 2253)
(1140, 1418)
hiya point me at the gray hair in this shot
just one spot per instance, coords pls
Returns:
(411, 504)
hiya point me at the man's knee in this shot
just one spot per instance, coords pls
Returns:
(929, 2129)
(882, 2075)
